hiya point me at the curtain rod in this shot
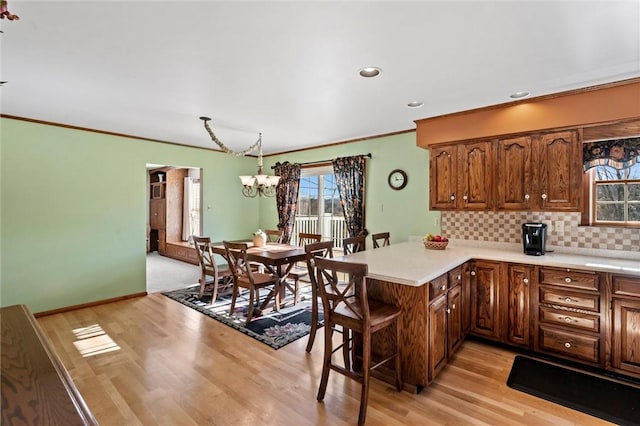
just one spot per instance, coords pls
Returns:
(308, 163)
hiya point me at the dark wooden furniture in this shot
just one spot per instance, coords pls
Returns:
(245, 277)
(274, 235)
(209, 267)
(36, 388)
(532, 172)
(322, 249)
(380, 240)
(354, 244)
(300, 270)
(626, 324)
(278, 259)
(347, 305)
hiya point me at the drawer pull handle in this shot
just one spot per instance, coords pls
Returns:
(567, 345)
(567, 319)
(568, 299)
(567, 280)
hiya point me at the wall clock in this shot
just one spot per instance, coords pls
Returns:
(398, 179)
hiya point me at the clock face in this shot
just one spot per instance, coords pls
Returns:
(398, 179)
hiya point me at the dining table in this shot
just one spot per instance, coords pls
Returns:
(278, 259)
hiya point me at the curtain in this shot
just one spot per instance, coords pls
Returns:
(618, 153)
(186, 210)
(350, 177)
(287, 197)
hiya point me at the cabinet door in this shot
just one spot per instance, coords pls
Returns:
(454, 319)
(514, 182)
(442, 177)
(557, 162)
(626, 334)
(437, 335)
(475, 177)
(485, 278)
(157, 214)
(517, 310)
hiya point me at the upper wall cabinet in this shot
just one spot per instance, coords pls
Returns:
(461, 176)
(535, 173)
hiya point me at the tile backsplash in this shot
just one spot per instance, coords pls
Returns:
(563, 229)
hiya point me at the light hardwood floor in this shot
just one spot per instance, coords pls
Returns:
(175, 366)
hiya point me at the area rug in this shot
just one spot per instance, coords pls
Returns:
(607, 399)
(275, 329)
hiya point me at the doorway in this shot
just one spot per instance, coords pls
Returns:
(174, 214)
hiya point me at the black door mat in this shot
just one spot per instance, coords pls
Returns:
(609, 400)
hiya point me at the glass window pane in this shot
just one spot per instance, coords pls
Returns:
(634, 212)
(634, 192)
(610, 212)
(610, 192)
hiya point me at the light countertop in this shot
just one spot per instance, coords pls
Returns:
(411, 263)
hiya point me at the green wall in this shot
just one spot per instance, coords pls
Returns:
(73, 206)
(402, 213)
(74, 211)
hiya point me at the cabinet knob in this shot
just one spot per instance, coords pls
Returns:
(568, 299)
(544, 196)
(567, 280)
(465, 198)
(448, 310)
(526, 280)
(453, 197)
(453, 306)
(473, 273)
(527, 196)
(443, 287)
(458, 278)
(567, 319)
(567, 345)
(155, 214)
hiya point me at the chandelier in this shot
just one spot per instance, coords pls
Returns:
(252, 186)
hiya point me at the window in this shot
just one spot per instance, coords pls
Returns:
(615, 195)
(319, 210)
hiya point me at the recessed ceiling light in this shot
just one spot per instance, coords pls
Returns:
(415, 104)
(519, 95)
(370, 72)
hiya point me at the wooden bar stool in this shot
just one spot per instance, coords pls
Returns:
(346, 304)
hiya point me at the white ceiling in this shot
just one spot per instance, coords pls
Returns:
(290, 69)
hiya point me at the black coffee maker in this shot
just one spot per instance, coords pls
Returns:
(534, 238)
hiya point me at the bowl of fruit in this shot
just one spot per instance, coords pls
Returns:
(435, 242)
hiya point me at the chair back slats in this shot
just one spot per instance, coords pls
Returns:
(345, 298)
(306, 238)
(274, 235)
(353, 244)
(237, 258)
(380, 240)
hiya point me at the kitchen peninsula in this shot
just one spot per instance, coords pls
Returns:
(571, 306)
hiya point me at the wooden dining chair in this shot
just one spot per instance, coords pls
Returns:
(300, 270)
(322, 249)
(380, 240)
(353, 244)
(346, 304)
(245, 277)
(274, 235)
(222, 276)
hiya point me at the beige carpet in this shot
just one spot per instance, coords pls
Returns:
(164, 273)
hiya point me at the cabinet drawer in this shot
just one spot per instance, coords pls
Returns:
(570, 344)
(570, 278)
(626, 286)
(562, 297)
(437, 286)
(455, 277)
(570, 319)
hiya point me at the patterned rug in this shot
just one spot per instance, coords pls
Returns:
(275, 329)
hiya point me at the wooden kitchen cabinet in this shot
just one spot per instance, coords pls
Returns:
(625, 338)
(514, 174)
(445, 320)
(558, 182)
(539, 172)
(517, 311)
(475, 178)
(443, 172)
(485, 288)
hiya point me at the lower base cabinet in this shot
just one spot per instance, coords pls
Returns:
(625, 336)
